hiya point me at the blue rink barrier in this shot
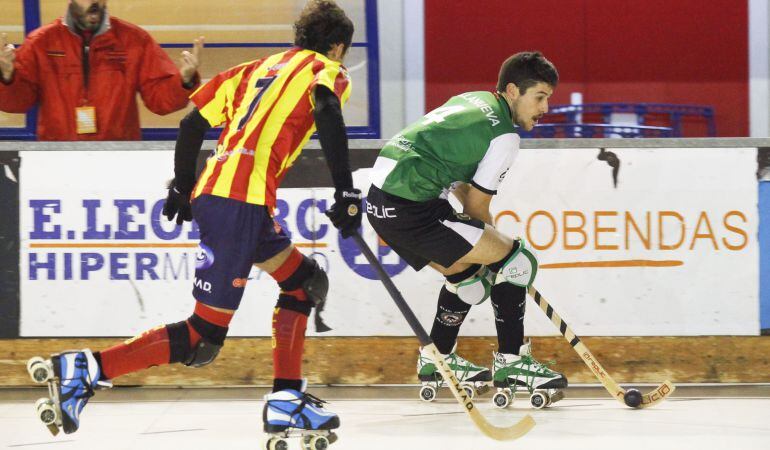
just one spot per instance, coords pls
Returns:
(595, 130)
(764, 257)
(643, 111)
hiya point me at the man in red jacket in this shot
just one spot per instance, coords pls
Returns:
(84, 71)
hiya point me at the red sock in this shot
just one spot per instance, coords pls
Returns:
(288, 337)
(152, 348)
(288, 343)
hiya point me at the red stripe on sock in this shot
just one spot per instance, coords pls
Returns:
(211, 315)
(288, 267)
(299, 294)
(288, 343)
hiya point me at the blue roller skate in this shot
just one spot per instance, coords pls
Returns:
(291, 413)
(71, 377)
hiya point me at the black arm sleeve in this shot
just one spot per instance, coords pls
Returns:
(192, 130)
(334, 140)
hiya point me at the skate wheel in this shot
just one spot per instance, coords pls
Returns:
(427, 393)
(277, 444)
(501, 399)
(470, 391)
(556, 397)
(315, 443)
(539, 400)
(46, 411)
(38, 370)
(483, 389)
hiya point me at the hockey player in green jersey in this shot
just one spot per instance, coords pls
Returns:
(466, 147)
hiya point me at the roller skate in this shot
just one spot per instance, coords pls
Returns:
(522, 372)
(289, 414)
(473, 379)
(72, 377)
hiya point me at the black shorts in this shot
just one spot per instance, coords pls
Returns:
(422, 232)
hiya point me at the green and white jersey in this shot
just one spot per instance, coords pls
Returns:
(471, 139)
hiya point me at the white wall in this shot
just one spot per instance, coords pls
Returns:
(402, 74)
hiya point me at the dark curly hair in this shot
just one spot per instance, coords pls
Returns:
(525, 70)
(322, 24)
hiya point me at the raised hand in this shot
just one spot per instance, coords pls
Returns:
(7, 56)
(191, 60)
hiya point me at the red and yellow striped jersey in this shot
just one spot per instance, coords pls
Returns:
(266, 107)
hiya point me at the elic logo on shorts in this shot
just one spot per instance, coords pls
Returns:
(204, 257)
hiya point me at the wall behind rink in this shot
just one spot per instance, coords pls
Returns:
(633, 51)
(672, 250)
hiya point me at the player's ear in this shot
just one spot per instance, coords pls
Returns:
(512, 90)
(336, 52)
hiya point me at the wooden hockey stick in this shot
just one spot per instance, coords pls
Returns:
(499, 433)
(649, 399)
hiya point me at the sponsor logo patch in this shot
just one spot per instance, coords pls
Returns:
(449, 318)
(204, 257)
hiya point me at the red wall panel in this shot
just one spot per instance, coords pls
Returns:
(665, 51)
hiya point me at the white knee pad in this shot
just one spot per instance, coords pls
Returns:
(521, 267)
(475, 289)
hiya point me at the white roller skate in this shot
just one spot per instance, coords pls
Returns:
(473, 379)
(289, 414)
(522, 372)
(71, 377)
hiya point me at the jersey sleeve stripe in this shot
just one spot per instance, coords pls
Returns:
(483, 189)
(341, 83)
(211, 99)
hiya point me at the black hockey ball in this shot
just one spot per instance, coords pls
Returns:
(633, 398)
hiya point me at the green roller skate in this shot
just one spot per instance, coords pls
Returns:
(473, 379)
(522, 372)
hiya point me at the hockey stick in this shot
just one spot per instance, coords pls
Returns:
(499, 433)
(630, 397)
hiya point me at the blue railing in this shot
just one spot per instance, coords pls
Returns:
(674, 112)
(596, 130)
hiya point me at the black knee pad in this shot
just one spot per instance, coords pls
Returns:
(205, 351)
(314, 283)
(311, 279)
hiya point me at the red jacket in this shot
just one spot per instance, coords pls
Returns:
(123, 60)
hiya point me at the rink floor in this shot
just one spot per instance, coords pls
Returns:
(696, 417)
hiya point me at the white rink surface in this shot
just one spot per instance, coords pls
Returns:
(386, 424)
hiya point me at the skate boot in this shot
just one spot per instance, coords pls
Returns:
(291, 413)
(473, 379)
(72, 377)
(522, 372)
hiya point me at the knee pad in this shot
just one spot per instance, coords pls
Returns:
(473, 290)
(205, 351)
(519, 267)
(311, 279)
(314, 283)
